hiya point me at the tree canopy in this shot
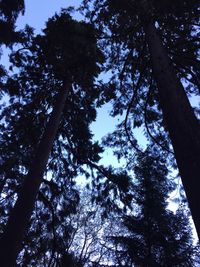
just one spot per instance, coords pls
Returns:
(155, 235)
(152, 51)
(9, 11)
(118, 216)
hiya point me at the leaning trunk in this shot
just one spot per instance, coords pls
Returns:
(10, 243)
(182, 124)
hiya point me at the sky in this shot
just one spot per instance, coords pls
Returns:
(37, 12)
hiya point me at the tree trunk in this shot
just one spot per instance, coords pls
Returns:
(11, 241)
(182, 124)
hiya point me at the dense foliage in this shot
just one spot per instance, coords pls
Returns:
(155, 235)
(33, 91)
(118, 217)
(152, 53)
(132, 86)
(9, 11)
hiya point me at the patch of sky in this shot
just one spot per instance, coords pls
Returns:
(38, 12)
(103, 125)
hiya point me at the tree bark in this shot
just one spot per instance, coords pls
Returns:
(11, 241)
(182, 124)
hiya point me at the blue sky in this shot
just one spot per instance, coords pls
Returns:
(37, 12)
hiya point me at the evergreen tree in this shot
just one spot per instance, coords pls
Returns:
(151, 47)
(57, 73)
(9, 11)
(50, 229)
(155, 235)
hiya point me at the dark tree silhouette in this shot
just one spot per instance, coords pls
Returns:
(59, 65)
(155, 236)
(150, 47)
(9, 11)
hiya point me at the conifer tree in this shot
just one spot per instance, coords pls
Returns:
(155, 236)
(57, 77)
(152, 47)
(9, 11)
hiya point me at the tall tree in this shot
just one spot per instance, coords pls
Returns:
(155, 236)
(151, 47)
(62, 67)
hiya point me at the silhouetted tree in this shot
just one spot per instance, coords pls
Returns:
(57, 73)
(155, 235)
(9, 11)
(151, 47)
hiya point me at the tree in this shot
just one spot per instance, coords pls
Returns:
(9, 11)
(151, 46)
(155, 236)
(49, 230)
(60, 234)
(87, 231)
(62, 67)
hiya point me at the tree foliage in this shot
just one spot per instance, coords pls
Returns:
(37, 84)
(147, 44)
(9, 11)
(155, 235)
(133, 88)
(122, 219)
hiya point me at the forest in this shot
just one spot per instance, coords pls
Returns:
(61, 205)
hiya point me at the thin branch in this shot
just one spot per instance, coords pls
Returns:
(128, 111)
(146, 124)
(48, 203)
(194, 79)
